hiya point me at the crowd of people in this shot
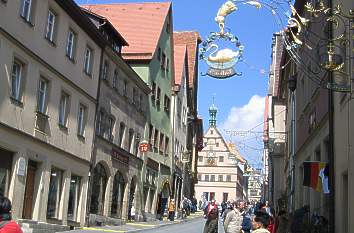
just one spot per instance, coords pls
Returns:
(186, 207)
(243, 217)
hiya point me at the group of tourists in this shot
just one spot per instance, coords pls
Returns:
(186, 207)
(243, 217)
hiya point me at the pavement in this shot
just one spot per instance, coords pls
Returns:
(139, 226)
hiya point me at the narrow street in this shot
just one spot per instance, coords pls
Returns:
(195, 225)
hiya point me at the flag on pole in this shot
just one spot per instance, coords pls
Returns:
(316, 176)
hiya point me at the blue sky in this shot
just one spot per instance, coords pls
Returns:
(240, 100)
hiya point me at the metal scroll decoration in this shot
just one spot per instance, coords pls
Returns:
(221, 62)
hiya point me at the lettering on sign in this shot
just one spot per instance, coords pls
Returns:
(221, 73)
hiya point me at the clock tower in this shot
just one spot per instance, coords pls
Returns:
(212, 114)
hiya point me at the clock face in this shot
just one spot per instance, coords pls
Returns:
(211, 154)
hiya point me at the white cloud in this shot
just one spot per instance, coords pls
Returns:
(247, 116)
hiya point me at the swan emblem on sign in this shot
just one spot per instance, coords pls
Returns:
(225, 58)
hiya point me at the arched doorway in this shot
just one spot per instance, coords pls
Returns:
(99, 184)
(117, 195)
(131, 201)
(163, 200)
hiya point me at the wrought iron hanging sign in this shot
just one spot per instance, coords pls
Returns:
(221, 62)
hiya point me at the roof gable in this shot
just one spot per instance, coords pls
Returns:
(140, 24)
(191, 39)
(180, 52)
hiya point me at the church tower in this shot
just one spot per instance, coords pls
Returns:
(212, 114)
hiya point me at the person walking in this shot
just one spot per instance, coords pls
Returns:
(260, 222)
(212, 214)
(7, 225)
(246, 225)
(171, 210)
(233, 220)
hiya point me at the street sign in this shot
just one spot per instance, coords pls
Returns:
(144, 146)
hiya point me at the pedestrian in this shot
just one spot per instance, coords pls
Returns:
(229, 207)
(171, 210)
(6, 224)
(185, 207)
(282, 222)
(260, 222)
(233, 220)
(212, 214)
(246, 225)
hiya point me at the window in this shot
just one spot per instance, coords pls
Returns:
(88, 61)
(105, 69)
(225, 197)
(217, 144)
(153, 92)
(110, 128)
(221, 159)
(121, 134)
(166, 145)
(42, 96)
(100, 126)
(125, 88)
(81, 121)
(49, 35)
(16, 81)
(117, 195)
(115, 79)
(212, 178)
(221, 178)
(200, 159)
(167, 65)
(159, 54)
(55, 190)
(162, 62)
(199, 177)
(131, 140)
(158, 97)
(228, 178)
(167, 104)
(161, 142)
(63, 109)
(211, 132)
(74, 197)
(168, 27)
(151, 140)
(156, 134)
(135, 94)
(140, 104)
(5, 171)
(206, 177)
(70, 44)
(26, 9)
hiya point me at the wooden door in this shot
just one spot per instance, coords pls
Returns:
(29, 191)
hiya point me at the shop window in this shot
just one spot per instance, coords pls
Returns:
(99, 187)
(117, 195)
(5, 171)
(55, 190)
(74, 197)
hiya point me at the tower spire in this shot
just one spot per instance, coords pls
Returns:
(212, 113)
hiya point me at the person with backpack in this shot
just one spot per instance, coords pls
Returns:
(7, 225)
(233, 220)
(212, 213)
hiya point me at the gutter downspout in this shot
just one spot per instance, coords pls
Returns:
(93, 148)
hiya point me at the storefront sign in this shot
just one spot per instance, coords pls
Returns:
(118, 156)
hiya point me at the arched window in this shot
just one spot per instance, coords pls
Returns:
(98, 189)
(117, 195)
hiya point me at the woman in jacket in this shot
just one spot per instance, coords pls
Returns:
(6, 224)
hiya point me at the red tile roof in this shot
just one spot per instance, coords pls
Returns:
(140, 24)
(180, 52)
(191, 39)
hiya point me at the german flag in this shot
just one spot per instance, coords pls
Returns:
(313, 177)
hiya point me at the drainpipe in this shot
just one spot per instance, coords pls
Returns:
(93, 147)
(292, 88)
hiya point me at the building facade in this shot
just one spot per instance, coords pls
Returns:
(152, 59)
(50, 58)
(220, 177)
